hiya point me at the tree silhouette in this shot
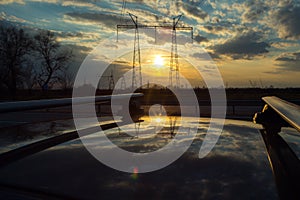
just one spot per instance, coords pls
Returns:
(66, 80)
(14, 45)
(53, 59)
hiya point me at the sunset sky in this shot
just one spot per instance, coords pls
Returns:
(256, 40)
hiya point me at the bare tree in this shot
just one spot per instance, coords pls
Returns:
(14, 45)
(29, 74)
(54, 59)
(66, 79)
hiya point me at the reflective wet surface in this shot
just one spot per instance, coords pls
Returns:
(237, 167)
(17, 134)
(292, 137)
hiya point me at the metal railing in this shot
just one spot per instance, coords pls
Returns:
(285, 164)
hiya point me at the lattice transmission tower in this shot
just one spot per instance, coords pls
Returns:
(174, 63)
(136, 60)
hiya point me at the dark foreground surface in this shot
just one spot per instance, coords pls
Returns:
(237, 168)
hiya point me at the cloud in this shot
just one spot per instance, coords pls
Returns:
(78, 3)
(78, 37)
(214, 28)
(79, 54)
(193, 10)
(217, 29)
(11, 18)
(205, 56)
(43, 1)
(3, 2)
(254, 10)
(144, 16)
(286, 21)
(288, 61)
(243, 46)
(109, 20)
(289, 57)
(200, 39)
(162, 36)
(283, 45)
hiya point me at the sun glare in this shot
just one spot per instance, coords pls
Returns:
(158, 61)
(158, 120)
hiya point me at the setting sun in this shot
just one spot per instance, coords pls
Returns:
(158, 61)
(159, 120)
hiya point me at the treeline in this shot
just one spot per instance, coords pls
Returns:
(153, 96)
(30, 61)
(161, 95)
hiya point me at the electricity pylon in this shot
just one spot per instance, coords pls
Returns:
(111, 81)
(136, 60)
(174, 63)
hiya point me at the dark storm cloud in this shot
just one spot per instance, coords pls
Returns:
(109, 20)
(243, 46)
(287, 21)
(288, 61)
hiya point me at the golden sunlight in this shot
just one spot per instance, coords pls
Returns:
(159, 120)
(158, 61)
